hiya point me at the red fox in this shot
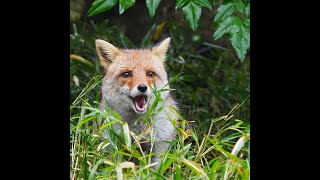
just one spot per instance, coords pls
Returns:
(126, 88)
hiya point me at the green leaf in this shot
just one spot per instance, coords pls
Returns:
(203, 3)
(126, 133)
(247, 22)
(224, 11)
(240, 38)
(152, 6)
(247, 10)
(180, 3)
(85, 166)
(125, 4)
(166, 165)
(214, 169)
(195, 167)
(240, 6)
(94, 169)
(184, 150)
(228, 154)
(245, 174)
(224, 27)
(177, 173)
(192, 13)
(86, 120)
(99, 6)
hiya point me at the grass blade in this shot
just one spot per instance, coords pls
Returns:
(195, 167)
(94, 169)
(126, 134)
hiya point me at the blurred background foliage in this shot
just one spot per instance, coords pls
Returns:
(213, 79)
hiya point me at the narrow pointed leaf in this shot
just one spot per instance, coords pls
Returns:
(240, 38)
(203, 3)
(195, 167)
(247, 10)
(238, 146)
(94, 169)
(214, 169)
(246, 22)
(152, 6)
(127, 137)
(240, 6)
(192, 13)
(166, 165)
(99, 6)
(224, 11)
(177, 174)
(180, 3)
(224, 27)
(125, 4)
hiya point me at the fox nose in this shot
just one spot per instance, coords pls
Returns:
(142, 88)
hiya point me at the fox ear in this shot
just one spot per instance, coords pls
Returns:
(162, 48)
(106, 52)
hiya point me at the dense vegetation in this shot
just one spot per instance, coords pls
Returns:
(210, 80)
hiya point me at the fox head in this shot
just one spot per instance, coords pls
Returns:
(130, 74)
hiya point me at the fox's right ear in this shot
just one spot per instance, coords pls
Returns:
(106, 52)
(162, 48)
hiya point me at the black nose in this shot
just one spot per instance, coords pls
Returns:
(142, 88)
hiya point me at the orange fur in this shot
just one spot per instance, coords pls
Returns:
(130, 95)
(138, 63)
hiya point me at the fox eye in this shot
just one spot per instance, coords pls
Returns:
(151, 74)
(126, 74)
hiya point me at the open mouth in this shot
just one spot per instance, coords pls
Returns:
(140, 103)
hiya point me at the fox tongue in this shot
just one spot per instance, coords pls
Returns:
(140, 101)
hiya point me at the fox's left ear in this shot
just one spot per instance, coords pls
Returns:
(162, 48)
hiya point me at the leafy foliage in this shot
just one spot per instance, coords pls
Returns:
(152, 6)
(100, 6)
(238, 28)
(181, 3)
(192, 13)
(232, 18)
(203, 3)
(192, 10)
(125, 4)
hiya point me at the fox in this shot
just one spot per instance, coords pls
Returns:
(129, 76)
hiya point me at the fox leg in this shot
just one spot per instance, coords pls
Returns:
(159, 148)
